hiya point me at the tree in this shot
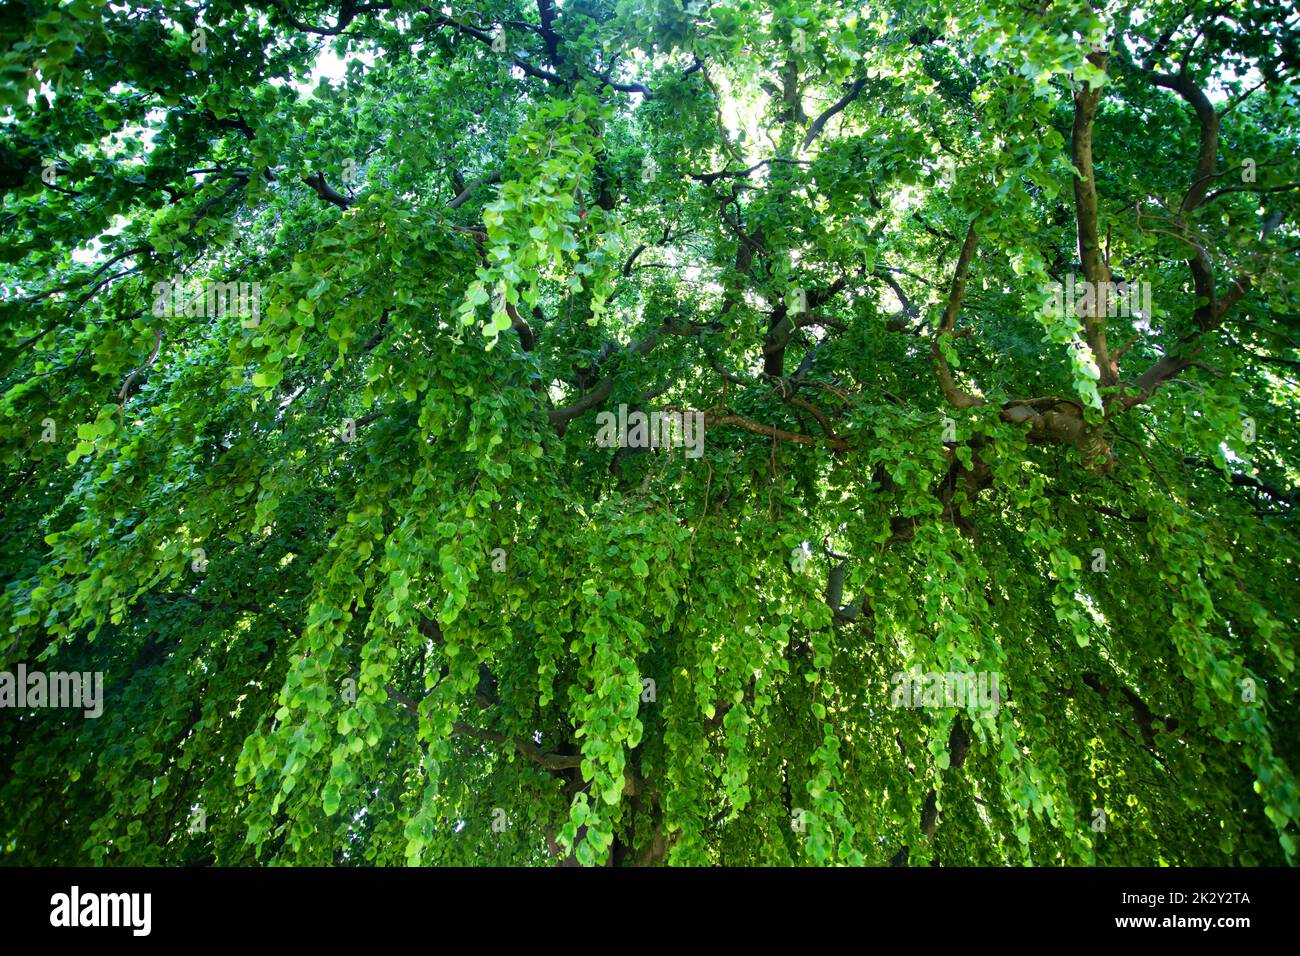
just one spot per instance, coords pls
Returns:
(326, 414)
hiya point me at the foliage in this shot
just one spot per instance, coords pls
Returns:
(363, 585)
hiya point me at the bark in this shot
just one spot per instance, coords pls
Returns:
(1096, 269)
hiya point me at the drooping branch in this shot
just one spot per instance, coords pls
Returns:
(1143, 716)
(544, 759)
(485, 697)
(958, 747)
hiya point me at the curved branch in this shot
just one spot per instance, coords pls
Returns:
(955, 395)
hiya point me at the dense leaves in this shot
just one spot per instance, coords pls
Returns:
(364, 586)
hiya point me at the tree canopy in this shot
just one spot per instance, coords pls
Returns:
(314, 313)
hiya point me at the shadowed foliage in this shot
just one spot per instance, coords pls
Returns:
(314, 311)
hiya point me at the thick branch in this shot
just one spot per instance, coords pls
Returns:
(469, 190)
(838, 106)
(1095, 269)
(325, 191)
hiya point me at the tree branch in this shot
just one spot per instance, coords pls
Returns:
(839, 105)
(1096, 270)
(955, 395)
